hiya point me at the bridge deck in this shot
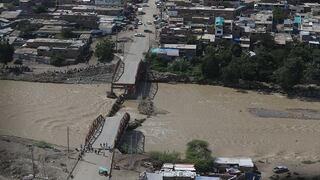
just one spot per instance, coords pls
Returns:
(130, 72)
(88, 167)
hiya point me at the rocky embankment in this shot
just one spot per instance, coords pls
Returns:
(90, 74)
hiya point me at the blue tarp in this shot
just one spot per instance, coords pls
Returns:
(219, 21)
(297, 19)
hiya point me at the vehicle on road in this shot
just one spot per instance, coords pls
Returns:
(140, 23)
(139, 35)
(147, 31)
(103, 171)
(280, 169)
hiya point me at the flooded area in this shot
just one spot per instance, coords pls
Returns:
(43, 111)
(222, 117)
(270, 127)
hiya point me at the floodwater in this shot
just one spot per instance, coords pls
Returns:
(221, 116)
(43, 111)
(234, 123)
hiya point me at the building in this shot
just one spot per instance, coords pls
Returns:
(83, 19)
(108, 2)
(243, 164)
(225, 3)
(10, 15)
(219, 22)
(100, 10)
(270, 6)
(185, 50)
(43, 49)
(203, 11)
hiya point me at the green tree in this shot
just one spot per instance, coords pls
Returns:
(290, 73)
(192, 39)
(236, 50)
(248, 68)
(265, 65)
(67, 33)
(6, 52)
(198, 149)
(39, 9)
(312, 71)
(231, 73)
(198, 152)
(104, 50)
(278, 15)
(211, 66)
(179, 65)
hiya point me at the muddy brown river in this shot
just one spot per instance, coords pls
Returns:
(43, 111)
(234, 123)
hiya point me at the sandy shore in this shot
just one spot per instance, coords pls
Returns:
(221, 116)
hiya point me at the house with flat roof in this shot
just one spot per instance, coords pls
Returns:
(185, 50)
(243, 164)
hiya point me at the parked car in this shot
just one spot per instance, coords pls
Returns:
(280, 169)
(139, 35)
(140, 23)
(147, 31)
(103, 171)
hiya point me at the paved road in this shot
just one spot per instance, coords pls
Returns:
(140, 45)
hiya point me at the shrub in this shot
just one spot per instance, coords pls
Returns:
(43, 145)
(6, 52)
(159, 158)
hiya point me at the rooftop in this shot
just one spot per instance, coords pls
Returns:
(180, 46)
(243, 162)
(10, 14)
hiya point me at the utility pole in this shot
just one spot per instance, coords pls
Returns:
(117, 39)
(32, 159)
(68, 139)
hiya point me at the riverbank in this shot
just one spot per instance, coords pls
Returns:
(298, 91)
(271, 128)
(86, 75)
(49, 160)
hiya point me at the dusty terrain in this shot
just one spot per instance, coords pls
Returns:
(16, 162)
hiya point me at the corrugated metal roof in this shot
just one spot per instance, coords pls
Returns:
(243, 162)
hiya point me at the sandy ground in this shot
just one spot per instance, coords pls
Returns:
(16, 161)
(43, 111)
(221, 116)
